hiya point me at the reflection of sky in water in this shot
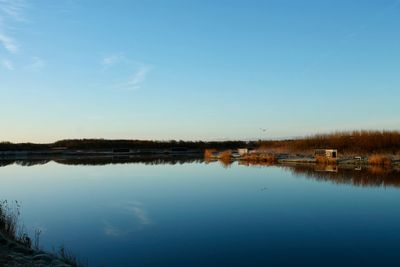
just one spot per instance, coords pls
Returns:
(205, 215)
(126, 218)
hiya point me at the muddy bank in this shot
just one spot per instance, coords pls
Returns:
(13, 253)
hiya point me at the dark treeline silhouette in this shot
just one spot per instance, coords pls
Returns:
(126, 144)
(7, 146)
(351, 142)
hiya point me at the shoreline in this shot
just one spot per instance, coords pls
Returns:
(13, 253)
(149, 155)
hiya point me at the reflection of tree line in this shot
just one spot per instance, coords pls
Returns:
(30, 162)
(148, 160)
(364, 176)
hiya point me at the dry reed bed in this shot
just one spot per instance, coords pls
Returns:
(380, 160)
(260, 158)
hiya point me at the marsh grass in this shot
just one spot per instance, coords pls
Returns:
(208, 153)
(12, 230)
(225, 155)
(70, 258)
(261, 158)
(352, 142)
(9, 223)
(225, 158)
(380, 160)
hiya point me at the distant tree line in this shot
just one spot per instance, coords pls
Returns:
(352, 142)
(85, 144)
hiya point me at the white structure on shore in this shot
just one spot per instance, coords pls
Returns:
(327, 153)
(243, 151)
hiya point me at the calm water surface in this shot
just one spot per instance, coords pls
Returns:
(198, 214)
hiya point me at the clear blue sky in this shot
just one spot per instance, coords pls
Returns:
(197, 69)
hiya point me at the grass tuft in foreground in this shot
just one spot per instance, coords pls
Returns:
(12, 233)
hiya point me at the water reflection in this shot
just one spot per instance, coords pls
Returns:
(148, 160)
(207, 215)
(372, 176)
(137, 218)
(24, 162)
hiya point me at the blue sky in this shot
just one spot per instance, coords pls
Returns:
(197, 69)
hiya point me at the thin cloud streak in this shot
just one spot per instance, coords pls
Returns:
(137, 77)
(10, 11)
(37, 64)
(9, 43)
(7, 64)
(14, 9)
(111, 60)
(136, 80)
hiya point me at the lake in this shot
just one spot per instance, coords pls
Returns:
(197, 214)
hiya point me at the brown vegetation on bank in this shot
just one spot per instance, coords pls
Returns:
(380, 160)
(209, 153)
(225, 157)
(363, 142)
(260, 158)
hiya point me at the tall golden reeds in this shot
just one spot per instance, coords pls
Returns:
(208, 153)
(379, 159)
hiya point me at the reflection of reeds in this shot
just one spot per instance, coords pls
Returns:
(379, 170)
(225, 157)
(325, 160)
(380, 160)
(372, 176)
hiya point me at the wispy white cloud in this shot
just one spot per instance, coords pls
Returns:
(14, 9)
(8, 43)
(112, 59)
(7, 64)
(136, 80)
(11, 11)
(37, 64)
(132, 81)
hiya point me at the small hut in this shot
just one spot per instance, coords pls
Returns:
(326, 153)
(243, 151)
